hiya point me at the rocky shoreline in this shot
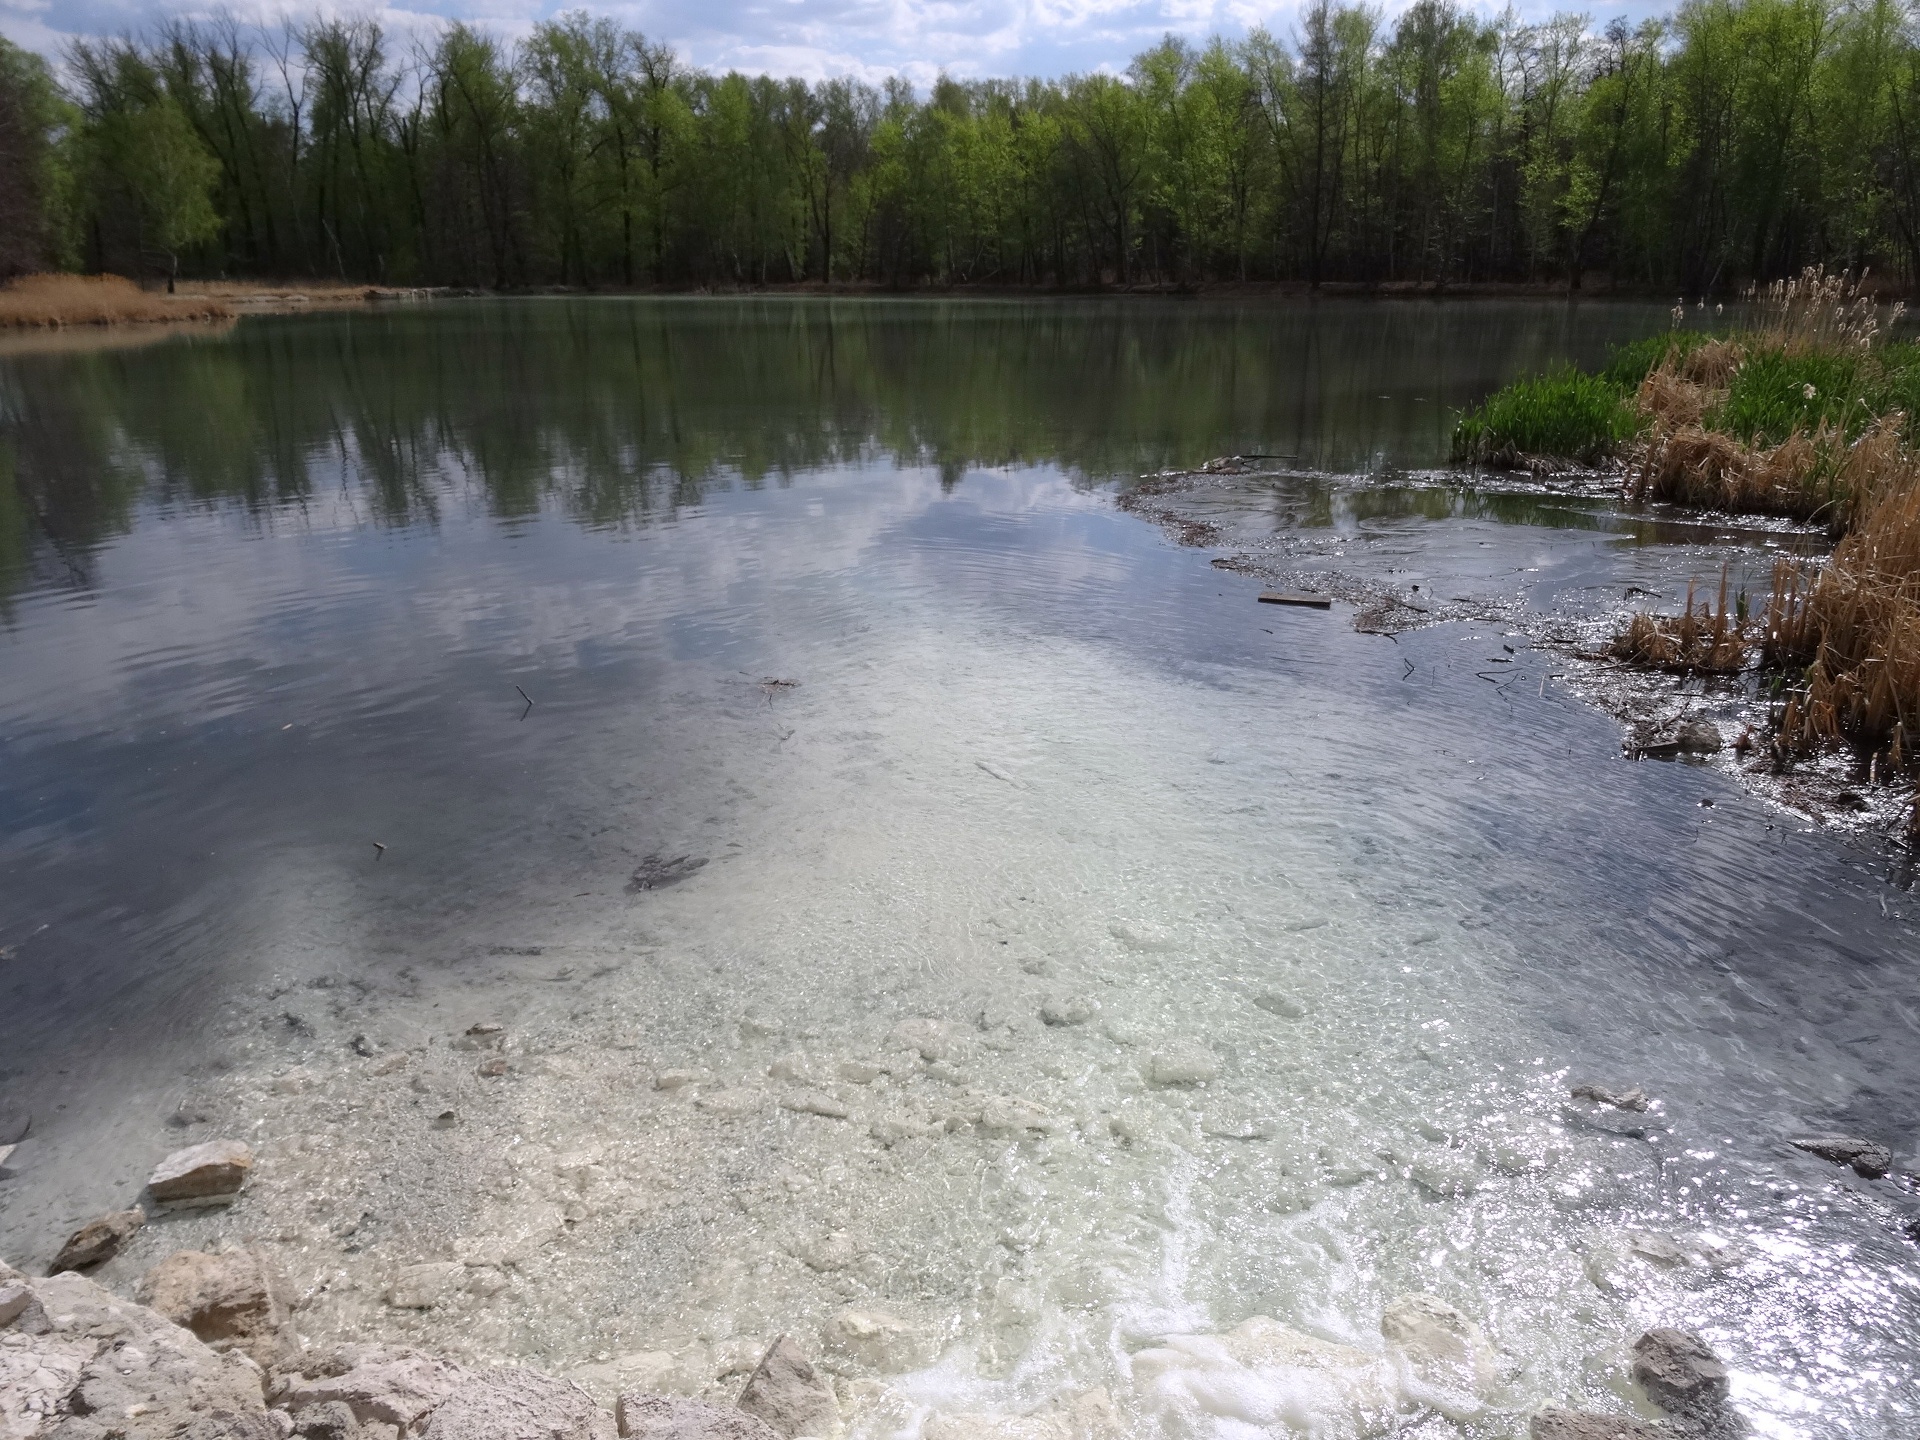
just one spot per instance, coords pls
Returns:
(209, 1348)
(212, 1356)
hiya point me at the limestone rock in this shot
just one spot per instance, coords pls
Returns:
(1186, 1065)
(666, 1417)
(229, 1300)
(209, 1174)
(1266, 1374)
(1634, 1099)
(1285, 1006)
(515, 1404)
(1680, 1373)
(814, 1102)
(882, 1342)
(1556, 1424)
(332, 1421)
(932, 1039)
(1865, 1156)
(1442, 1345)
(14, 1300)
(98, 1241)
(789, 1394)
(421, 1287)
(379, 1385)
(120, 1369)
(1068, 1009)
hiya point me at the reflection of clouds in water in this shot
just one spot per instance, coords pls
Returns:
(364, 619)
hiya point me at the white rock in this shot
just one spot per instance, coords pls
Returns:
(1010, 1115)
(734, 1101)
(860, 1072)
(813, 1102)
(1068, 1009)
(1444, 1348)
(675, 1079)
(1144, 935)
(511, 1403)
(931, 1039)
(789, 1394)
(1275, 1003)
(882, 1342)
(1184, 1065)
(666, 1417)
(380, 1385)
(834, 1252)
(421, 1287)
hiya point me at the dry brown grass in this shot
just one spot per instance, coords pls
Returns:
(1816, 477)
(1816, 311)
(51, 301)
(1706, 639)
(1853, 628)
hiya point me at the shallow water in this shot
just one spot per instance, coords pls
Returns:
(272, 599)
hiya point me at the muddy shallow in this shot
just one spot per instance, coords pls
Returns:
(1084, 954)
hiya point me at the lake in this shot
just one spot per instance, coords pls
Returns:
(907, 884)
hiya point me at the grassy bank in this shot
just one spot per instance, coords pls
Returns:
(52, 302)
(1808, 412)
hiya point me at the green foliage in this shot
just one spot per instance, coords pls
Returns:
(1563, 415)
(1772, 395)
(1733, 140)
(1631, 363)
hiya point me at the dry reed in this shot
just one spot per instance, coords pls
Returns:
(51, 301)
(1853, 628)
(1700, 640)
(1819, 312)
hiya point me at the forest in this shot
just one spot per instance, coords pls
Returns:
(1729, 142)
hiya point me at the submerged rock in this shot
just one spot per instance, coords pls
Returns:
(98, 1241)
(789, 1394)
(1699, 737)
(1442, 1346)
(511, 1403)
(1184, 1065)
(1275, 1003)
(421, 1287)
(1634, 1099)
(208, 1174)
(667, 1417)
(930, 1039)
(1262, 1373)
(1062, 1010)
(229, 1300)
(1556, 1424)
(1680, 1373)
(1867, 1157)
(882, 1342)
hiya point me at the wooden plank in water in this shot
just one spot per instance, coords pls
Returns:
(1296, 597)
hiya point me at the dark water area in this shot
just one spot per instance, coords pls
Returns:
(382, 654)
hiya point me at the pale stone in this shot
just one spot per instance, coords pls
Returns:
(860, 1072)
(1010, 1115)
(812, 1102)
(1186, 1065)
(209, 1174)
(98, 1240)
(1285, 1006)
(1443, 1347)
(511, 1403)
(882, 1342)
(792, 1067)
(380, 1385)
(667, 1417)
(930, 1039)
(1063, 1010)
(789, 1394)
(732, 1102)
(109, 1357)
(1264, 1374)
(676, 1079)
(229, 1300)
(421, 1287)
(834, 1252)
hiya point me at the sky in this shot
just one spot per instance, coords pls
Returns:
(814, 39)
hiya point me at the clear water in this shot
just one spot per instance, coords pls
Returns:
(272, 597)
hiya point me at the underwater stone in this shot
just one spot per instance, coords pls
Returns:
(1865, 1156)
(668, 1417)
(1187, 1065)
(1557, 1424)
(789, 1394)
(1680, 1372)
(98, 1240)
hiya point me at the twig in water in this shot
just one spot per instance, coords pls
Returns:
(381, 849)
(529, 699)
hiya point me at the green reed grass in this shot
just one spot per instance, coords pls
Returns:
(1564, 415)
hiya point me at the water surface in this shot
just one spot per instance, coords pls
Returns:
(368, 675)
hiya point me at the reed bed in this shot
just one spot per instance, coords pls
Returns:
(53, 301)
(1707, 639)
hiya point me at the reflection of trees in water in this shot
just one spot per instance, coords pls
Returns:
(619, 412)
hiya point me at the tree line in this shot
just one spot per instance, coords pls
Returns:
(1732, 140)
